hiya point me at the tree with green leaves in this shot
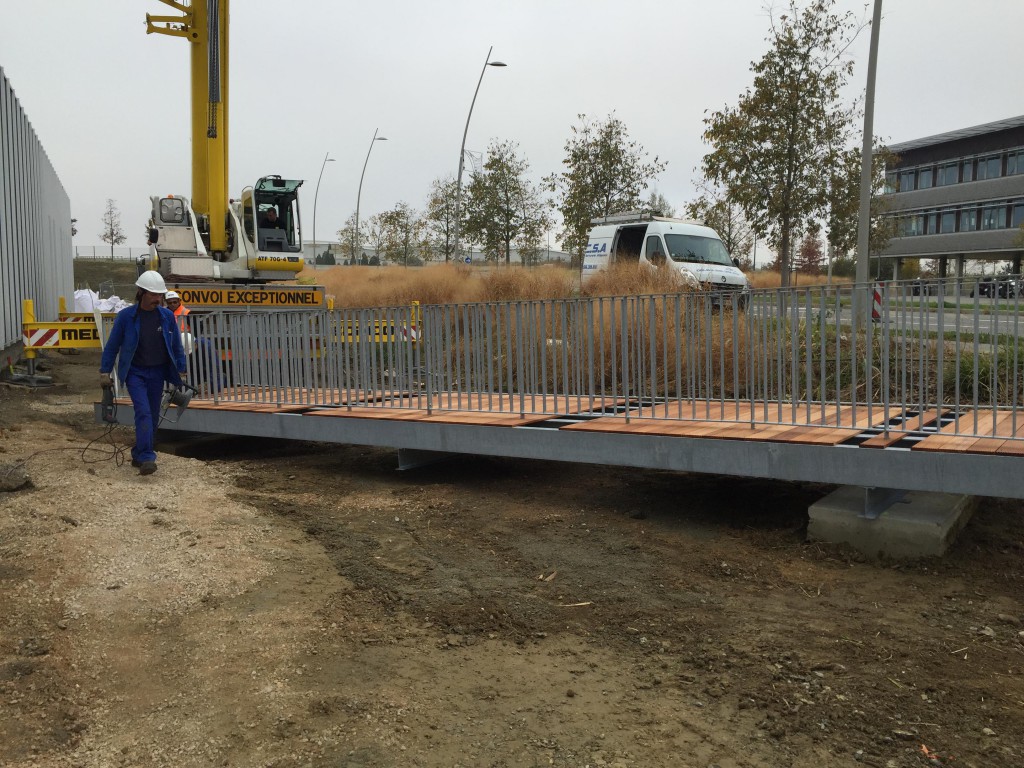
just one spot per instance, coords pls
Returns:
(504, 209)
(605, 173)
(773, 152)
(658, 205)
(715, 209)
(440, 218)
(400, 235)
(112, 231)
(843, 216)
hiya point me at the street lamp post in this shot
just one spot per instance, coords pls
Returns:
(462, 149)
(327, 159)
(360, 193)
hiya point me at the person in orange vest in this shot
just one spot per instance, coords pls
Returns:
(180, 310)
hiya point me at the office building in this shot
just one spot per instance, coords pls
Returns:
(959, 196)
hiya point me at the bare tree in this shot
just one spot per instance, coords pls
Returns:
(440, 217)
(112, 232)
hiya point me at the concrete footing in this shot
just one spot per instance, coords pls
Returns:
(919, 524)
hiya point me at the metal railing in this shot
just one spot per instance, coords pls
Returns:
(802, 357)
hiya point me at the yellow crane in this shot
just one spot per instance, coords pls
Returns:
(255, 237)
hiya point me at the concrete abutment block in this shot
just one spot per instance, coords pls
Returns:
(921, 524)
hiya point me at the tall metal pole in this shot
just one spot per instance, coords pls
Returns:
(327, 159)
(462, 149)
(864, 225)
(359, 243)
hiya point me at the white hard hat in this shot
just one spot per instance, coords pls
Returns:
(172, 295)
(151, 281)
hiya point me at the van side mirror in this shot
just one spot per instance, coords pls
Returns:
(736, 262)
(154, 235)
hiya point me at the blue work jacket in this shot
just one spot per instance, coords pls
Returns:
(124, 340)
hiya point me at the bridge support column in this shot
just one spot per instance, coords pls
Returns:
(943, 266)
(884, 522)
(1016, 263)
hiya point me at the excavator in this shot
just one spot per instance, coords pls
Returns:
(252, 239)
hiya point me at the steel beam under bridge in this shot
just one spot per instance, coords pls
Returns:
(964, 473)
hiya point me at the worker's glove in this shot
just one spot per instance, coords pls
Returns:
(106, 380)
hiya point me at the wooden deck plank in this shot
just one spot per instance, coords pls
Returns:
(980, 425)
(898, 432)
(368, 412)
(816, 435)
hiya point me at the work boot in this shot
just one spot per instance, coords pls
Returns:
(147, 468)
(136, 463)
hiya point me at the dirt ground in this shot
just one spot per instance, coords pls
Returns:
(281, 604)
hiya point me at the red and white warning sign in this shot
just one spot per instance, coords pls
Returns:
(42, 337)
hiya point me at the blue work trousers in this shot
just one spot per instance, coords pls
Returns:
(146, 388)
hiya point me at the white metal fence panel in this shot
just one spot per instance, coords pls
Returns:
(35, 223)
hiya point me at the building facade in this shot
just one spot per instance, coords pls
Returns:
(958, 196)
(35, 225)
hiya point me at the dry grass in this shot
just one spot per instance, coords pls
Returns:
(630, 279)
(357, 287)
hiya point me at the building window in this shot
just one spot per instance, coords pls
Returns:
(947, 221)
(968, 219)
(916, 224)
(924, 178)
(1014, 163)
(968, 170)
(931, 223)
(892, 182)
(989, 167)
(1017, 218)
(906, 181)
(993, 217)
(948, 174)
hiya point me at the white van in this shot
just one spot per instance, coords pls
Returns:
(695, 250)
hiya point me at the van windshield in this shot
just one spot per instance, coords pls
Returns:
(703, 250)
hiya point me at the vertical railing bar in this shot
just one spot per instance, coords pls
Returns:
(709, 340)
(1018, 288)
(977, 358)
(809, 351)
(619, 350)
(823, 356)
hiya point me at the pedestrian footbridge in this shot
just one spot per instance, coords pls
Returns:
(801, 385)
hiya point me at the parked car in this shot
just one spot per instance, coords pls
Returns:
(1004, 287)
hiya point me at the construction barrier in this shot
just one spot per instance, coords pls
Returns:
(876, 302)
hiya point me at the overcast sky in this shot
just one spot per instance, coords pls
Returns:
(310, 77)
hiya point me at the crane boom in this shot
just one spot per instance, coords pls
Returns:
(253, 237)
(204, 23)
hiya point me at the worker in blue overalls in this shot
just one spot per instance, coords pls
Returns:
(147, 344)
